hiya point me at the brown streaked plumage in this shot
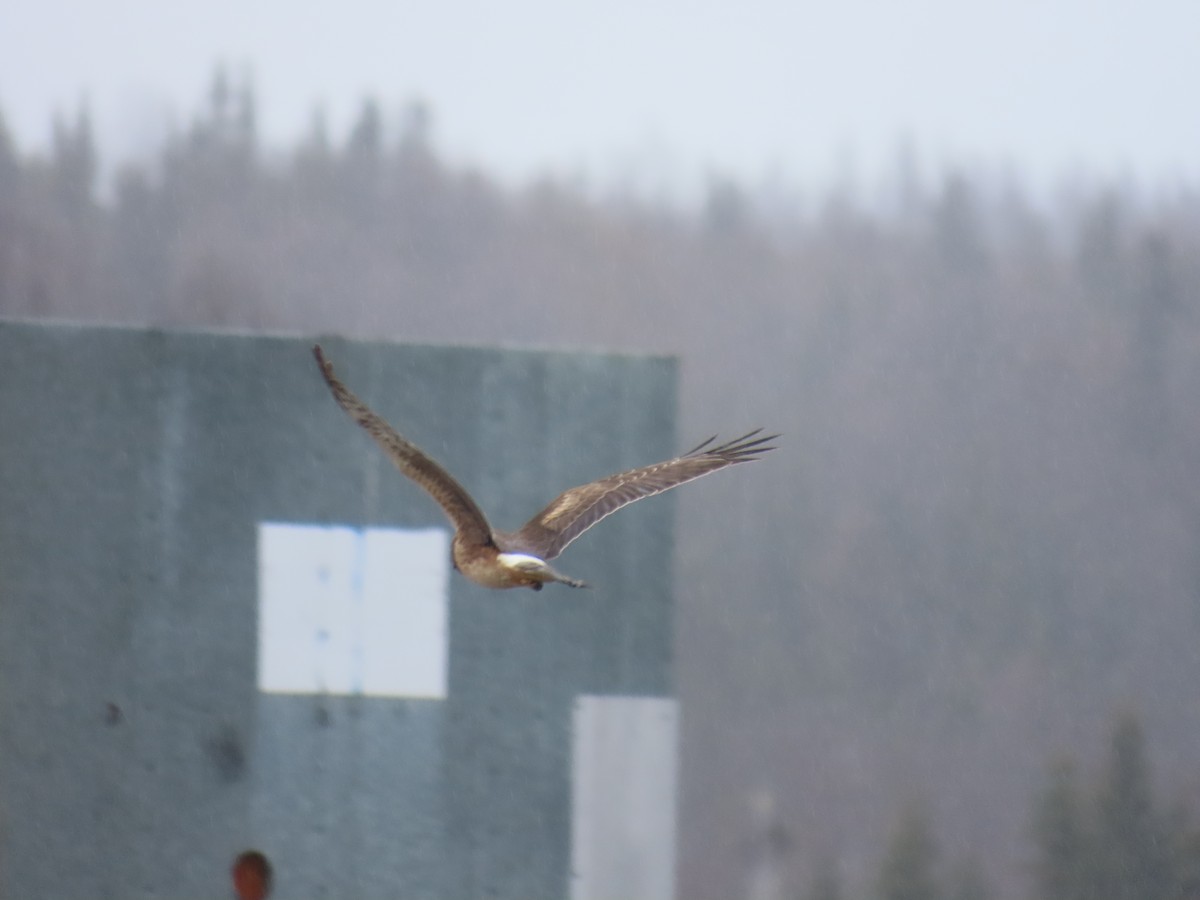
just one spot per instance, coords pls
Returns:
(499, 559)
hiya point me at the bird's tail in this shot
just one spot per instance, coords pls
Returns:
(567, 580)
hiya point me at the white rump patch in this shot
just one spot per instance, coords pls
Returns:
(522, 562)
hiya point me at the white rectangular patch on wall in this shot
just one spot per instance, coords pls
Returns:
(623, 798)
(352, 611)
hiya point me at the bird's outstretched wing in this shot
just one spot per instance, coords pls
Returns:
(459, 506)
(572, 513)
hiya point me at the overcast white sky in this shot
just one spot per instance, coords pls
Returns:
(658, 91)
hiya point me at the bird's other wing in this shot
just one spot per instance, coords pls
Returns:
(459, 506)
(572, 513)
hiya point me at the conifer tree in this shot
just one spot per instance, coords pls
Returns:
(1133, 852)
(1060, 833)
(908, 867)
(826, 883)
(74, 161)
(969, 882)
(1187, 865)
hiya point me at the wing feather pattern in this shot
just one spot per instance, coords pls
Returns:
(575, 511)
(458, 505)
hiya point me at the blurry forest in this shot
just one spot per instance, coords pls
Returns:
(976, 552)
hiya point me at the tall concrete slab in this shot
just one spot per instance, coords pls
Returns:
(139, 750)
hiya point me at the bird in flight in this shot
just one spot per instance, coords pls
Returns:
(503, 559)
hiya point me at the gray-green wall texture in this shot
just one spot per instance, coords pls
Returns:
(138, 754)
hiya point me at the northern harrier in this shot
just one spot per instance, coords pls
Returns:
(501, 559)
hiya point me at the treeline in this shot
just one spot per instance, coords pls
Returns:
(979, 534)
(1112, 841)
(373, 225)
(1118, 841)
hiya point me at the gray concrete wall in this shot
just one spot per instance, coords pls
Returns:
(137, 755)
